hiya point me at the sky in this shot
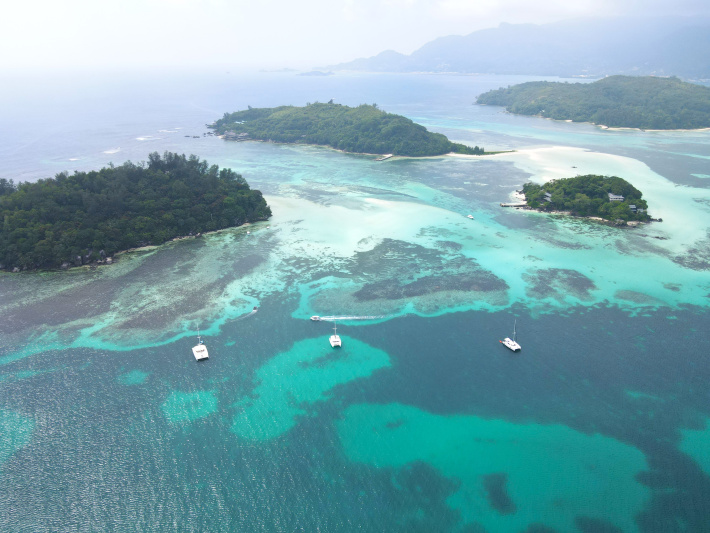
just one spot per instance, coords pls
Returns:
(302, 34)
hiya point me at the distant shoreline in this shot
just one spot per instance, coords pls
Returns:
(642, 103)
(449, 154)
(600, 126)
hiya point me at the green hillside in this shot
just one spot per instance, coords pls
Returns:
(617, 101)
(90, 215)
(363, 129)
(589, 196)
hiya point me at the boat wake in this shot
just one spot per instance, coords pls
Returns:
(368, 317)
(247, 315)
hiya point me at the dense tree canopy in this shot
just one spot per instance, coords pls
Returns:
(363, 129)
(588, 196)
(52, 221)
(617, 101)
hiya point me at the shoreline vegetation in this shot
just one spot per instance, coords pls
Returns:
(645, 103)
(88, 217)
(608, 199)
(360, 130)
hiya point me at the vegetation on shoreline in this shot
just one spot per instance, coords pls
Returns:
(588, 196)
(364, 129)
(617, 101)
(77, 219)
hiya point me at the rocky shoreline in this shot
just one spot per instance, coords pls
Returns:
(520, 199)
(95, 259)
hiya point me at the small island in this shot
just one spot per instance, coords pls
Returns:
(364, 129)
(644, 102)
(607, 197)
(89, 216)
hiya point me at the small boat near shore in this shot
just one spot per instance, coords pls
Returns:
(511, 344)
(315, 318)
(470, 216)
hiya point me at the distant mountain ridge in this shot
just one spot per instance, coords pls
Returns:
(581, 47)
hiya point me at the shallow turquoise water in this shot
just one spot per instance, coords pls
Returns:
(422, 422)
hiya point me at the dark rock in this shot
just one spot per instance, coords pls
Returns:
(16, 270)
(102, 254)
(65, 265)
(77, 261)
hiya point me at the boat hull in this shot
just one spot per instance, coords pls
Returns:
(200, 352)
(511, 344)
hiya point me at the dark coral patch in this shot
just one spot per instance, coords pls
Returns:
(558, 283)
(497, 494)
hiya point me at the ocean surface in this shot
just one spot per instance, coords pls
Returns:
(423, 421)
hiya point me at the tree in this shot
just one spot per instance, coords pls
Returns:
(53, 220)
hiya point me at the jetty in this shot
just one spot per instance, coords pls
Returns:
(514, 204)
(386, 156)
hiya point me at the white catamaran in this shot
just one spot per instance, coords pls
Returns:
(335, 338)
(511, 344)
(200, 350)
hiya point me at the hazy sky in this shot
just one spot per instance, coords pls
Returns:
(264, 33)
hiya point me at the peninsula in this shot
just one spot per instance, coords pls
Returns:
(89, 216)
(607, 197)
(364, 129)
(617, 101)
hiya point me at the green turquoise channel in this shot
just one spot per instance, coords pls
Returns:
(554, 473)
(291, 384)
(15, 432)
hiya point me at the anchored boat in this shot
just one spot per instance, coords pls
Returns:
(335, 341)
(511, 344)
(200, 350)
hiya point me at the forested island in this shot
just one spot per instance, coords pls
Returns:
(607, 197)
(70, 220)
(617, 101)
(364, 129)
